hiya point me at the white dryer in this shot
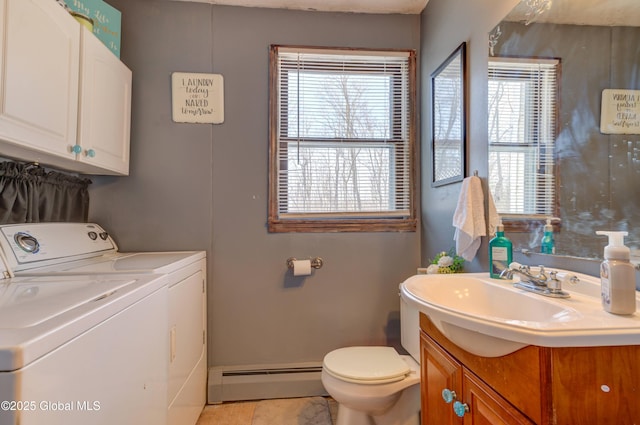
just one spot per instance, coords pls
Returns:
(85, 249)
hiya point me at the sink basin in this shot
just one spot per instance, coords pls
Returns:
(491, 318)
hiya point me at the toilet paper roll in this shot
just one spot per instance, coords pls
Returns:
(301, 267)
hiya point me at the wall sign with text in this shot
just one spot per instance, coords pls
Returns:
(197, 98)
(620, 112)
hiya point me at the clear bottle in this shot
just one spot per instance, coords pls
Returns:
(547, 245)
(617, 276)
(500, 252)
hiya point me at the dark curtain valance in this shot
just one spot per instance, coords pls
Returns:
(31, 194)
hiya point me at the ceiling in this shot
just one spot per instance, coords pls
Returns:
(582, 12)
(358, 6)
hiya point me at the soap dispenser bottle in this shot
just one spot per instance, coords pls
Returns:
(548, 245)
(617, 276)
(500, 252)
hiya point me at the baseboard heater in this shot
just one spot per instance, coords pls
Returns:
(258, 382)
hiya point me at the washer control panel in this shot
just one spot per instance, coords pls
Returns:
(33, 245)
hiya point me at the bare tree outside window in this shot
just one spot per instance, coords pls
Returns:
(343, 139)
(352, 175)
(522, 101)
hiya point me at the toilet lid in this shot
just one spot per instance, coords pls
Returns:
(366, 364)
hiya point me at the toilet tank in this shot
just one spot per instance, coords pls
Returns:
(410, 329)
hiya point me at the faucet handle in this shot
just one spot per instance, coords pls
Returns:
(556, 279)
(567, 277)
(542, 273)
(517, 266)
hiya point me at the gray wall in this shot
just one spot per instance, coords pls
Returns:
(446, 24)
(200, 186)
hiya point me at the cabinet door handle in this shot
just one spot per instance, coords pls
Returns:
(90, 153)
(460, 409)
(76, 149)
(448, 395)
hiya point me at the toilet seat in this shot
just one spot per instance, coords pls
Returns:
(366, 365)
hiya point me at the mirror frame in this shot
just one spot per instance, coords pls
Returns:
(455, 63)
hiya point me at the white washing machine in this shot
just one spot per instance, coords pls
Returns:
(81, 249)
(72, 351)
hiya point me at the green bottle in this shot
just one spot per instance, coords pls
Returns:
(547, 245)
(500, 252)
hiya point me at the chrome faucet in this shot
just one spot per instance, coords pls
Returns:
(549, 285)
(525, 271)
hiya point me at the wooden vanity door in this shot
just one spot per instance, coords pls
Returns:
(486, 406)
(439, 371)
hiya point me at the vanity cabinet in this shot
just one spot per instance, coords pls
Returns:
(483, 404)
(63, 101)
(534, 385)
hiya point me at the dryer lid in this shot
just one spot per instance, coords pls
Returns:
(366, 364)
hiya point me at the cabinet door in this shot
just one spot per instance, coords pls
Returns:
(439, 371)
(105, 108)
(187, 352)
(486, 407)
(38, 78)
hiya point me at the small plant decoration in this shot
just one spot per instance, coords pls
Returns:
(446, 262)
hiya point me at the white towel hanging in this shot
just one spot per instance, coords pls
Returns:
(469, 218)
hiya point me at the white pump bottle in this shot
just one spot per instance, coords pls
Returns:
(617, 276)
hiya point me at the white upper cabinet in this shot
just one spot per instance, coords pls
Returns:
(39, 85)
(105, 107)
(46, 65)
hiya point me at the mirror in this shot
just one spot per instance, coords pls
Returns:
(448, 119)
(596, 173)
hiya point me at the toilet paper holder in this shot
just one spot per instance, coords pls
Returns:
(316, 262)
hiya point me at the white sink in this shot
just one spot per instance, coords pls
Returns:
(491, 318)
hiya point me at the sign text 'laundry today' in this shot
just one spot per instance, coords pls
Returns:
(197, 98)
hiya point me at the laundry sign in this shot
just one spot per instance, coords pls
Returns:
(620, 112)
(197, 98)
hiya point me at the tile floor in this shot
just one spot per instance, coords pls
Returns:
(240, 413)
(237, 413)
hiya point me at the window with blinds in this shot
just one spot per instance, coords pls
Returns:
(523, 97)
(341, 140)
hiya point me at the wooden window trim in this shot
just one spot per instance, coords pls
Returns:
(529, 224)
(322, 225)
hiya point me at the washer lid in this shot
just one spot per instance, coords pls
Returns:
(125, 263)
(41, 313)
(366, 364)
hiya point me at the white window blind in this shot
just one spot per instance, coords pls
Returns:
(343, 134)
(522, 131)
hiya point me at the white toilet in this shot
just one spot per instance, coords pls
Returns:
(376, 385)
